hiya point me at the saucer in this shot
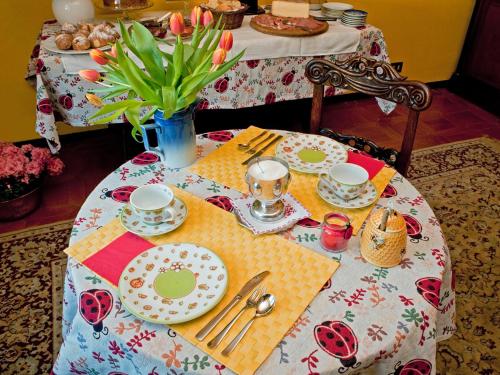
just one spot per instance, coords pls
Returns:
(133, 223)
(368, 197)
(173, 283)
(310, 153)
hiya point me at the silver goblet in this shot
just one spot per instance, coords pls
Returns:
(268, 178)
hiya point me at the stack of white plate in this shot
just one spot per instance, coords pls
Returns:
(334, 10)
(354, 18)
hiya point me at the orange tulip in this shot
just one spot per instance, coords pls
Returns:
(98, 56)
(219, 56)
(208, 18)
(177, 23)
(226, 41)
(94, 100)
(90, 75)
(196, 15)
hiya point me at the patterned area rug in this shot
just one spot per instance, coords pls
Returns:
(459, 180)
(32, 268)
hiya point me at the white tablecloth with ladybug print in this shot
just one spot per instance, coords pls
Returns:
(365, 320)
(61, 96)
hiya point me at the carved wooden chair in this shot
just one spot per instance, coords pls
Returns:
(373, 78)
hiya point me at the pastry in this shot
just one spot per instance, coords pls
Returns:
(224, 5)
(68, 28)
(81, 32)
(81, 43)
(100, 38)
(64, 41)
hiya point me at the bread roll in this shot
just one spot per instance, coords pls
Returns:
(64, 41)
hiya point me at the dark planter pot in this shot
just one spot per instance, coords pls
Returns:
(19, 207)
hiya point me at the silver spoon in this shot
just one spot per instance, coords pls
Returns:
(264, 307)
(244, 146)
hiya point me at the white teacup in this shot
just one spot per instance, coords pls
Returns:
(347, 180)
(153, 204)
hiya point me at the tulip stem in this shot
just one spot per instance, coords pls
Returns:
(116, 83)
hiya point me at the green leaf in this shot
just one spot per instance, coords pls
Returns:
(148, 114)
(178, 61)
(108, 119)
(169, 101)
(148, 52)
(114, 94)
(126, 38)
(133, 75)
(133, 114)
(111, 107)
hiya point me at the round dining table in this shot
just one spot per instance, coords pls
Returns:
(395, 316)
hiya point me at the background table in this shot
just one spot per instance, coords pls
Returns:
(393, 324)
(249, 83)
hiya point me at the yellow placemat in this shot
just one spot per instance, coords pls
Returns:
(224, 166)
(297, 275)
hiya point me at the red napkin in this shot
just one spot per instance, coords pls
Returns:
(372, 165)
(113, 258)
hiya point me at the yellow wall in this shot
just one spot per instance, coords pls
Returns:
(427, 35)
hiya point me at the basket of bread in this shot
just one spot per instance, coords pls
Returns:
(231, 12)
(83, 36)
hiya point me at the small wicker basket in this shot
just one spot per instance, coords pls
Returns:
(231, 19)
(384, 248)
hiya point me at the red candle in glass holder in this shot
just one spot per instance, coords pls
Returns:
(336, 231)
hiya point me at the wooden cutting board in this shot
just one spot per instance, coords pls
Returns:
(296, 31)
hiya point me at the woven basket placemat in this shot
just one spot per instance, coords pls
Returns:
(297, 275)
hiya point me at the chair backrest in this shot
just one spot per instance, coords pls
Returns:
(374, 78)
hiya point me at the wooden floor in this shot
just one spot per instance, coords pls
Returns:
(90, 156)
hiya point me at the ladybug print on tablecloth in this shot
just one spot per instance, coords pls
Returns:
(308, 223)
(429, 288)
(338, 340)
(221, 201)
(95, 305)
(327, 285)
(375, 49)
(414, 229)
(330, 91)
(270, 98)
(221, 85)
(202, 104)
(40, 66)
(288, 78)
(145, 158)
(45, 106)
(389, 192)
(120, 194)
(219, 136)
(252, 64)
(66, 101)
(417, 366)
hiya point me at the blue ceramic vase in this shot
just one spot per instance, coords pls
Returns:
(176, 138)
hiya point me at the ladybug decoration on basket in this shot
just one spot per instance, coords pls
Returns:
(338, 340)
(95, 305)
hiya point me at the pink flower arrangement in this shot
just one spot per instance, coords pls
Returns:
(21, 168)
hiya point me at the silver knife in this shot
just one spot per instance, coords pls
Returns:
(261, 151)
(249, 286)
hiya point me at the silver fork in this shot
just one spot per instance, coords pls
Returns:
(251, 302)
(253, 150)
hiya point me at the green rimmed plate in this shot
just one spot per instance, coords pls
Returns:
(365, 199)
(173, 283)
(134, 224)
(310, 153)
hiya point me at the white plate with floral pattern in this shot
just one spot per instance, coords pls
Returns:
(173, 283)
(134, 224)
(368, 197)
(311, 153)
